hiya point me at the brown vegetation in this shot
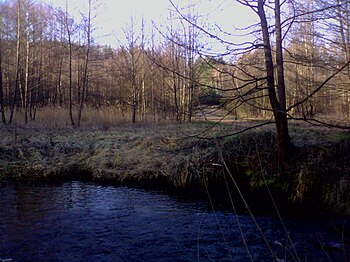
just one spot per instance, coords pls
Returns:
(55, 78)
(171, 157)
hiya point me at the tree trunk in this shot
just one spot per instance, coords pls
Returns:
(2, 101)
(283, 134)
(70, 62)
(134, 107)
(17, 80)
(86, 65)
(144, 99)
(59, 84)
(278, 107)
(26, 83)
(176, 104)
(70, 85)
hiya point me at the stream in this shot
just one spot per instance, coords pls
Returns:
(79, 221)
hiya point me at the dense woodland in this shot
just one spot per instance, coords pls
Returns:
(49, 60)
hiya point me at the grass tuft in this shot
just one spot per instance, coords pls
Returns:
(172, 156)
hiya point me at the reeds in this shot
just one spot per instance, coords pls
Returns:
(102, 118)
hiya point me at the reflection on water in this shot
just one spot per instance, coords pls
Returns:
(87, 222)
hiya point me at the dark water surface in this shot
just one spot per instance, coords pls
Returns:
(87, 222)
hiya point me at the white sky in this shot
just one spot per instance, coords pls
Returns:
(114, 15)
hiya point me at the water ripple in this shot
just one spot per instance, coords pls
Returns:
(87, 222)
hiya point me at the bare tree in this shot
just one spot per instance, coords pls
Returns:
(68, 24)
(18, 60)
(2, 101)
(26, 94)
(278, 104)
(273, 79)
(133, 61)
(85, 80)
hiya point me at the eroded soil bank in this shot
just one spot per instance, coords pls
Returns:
(187, 159)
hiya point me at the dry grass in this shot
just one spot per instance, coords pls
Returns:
(54, 118)
(119, 153)
(172, 155)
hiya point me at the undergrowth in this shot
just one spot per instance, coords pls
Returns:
(174, 156)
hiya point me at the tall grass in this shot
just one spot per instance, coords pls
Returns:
(92, 118)
(172, 155)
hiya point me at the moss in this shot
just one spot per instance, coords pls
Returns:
(342, 137)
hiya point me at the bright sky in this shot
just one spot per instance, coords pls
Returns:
(114, 15)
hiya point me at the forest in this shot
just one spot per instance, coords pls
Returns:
(295, 66)
(253, 119)
(50, 61)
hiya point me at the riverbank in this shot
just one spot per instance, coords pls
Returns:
(171, 157)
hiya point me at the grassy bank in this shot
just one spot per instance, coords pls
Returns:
(171, 157)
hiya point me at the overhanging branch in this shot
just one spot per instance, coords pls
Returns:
(319, 87)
